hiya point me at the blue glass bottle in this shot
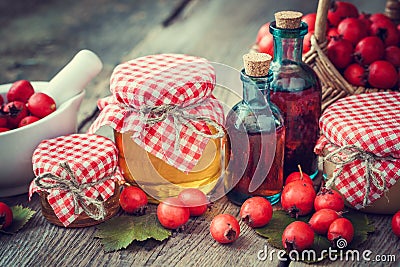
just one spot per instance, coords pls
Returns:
(256, 137)
(296, 90)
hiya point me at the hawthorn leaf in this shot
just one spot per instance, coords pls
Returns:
(119, 232)
(21, 216)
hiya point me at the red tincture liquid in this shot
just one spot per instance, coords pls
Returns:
(250, 160)
(301, 111)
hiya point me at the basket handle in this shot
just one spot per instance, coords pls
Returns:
(321, 20)
(392, 10)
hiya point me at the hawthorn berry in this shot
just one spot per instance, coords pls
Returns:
(27, 120)
(3, 120)
(15, 112)
(340, 52)
(298, 236)
(352, 29)
(20, 91)
(172, 213)
(396, 223)
(340, 228)
(355, 74)
(369, 49)
(262, 31)
(195, 200)
(382, 74)
(41, 104)
(133, 200)
(392, 54)
(6, 215)
(298, 198)
(225, 228)
(328, 199)
(322, 219)
(256, 212)
(310, 20)
(300, 175)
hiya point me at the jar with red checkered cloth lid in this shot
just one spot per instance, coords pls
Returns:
(360, 143)
(77, 178)
(167, 124)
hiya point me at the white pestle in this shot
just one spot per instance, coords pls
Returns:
(73, 78)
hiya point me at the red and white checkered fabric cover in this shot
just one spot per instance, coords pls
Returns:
(91, 158)
(157, 80)
(370, 122)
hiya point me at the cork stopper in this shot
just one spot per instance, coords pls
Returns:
(256, 64)
(288, 19)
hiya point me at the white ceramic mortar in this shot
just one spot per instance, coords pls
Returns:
(17, 146)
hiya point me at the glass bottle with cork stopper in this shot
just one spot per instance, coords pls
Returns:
(296, 90)
(256, 137)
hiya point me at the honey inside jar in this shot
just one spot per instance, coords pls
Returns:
(161, 180)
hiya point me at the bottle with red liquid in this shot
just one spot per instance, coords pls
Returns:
(296, 90)
(256, 137)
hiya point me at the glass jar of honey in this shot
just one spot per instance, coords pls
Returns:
(168, 127)
(161, 180)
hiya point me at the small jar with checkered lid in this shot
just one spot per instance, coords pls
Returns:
(167, 125)
(360, 145)
(77, 177)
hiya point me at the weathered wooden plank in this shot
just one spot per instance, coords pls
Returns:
(38, 42)
(220, 31)
(217, 30)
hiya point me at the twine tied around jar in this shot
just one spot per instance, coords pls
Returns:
(76, 191)
(152, 115)
(346, 154)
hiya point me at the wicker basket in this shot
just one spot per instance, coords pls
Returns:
(334, 86)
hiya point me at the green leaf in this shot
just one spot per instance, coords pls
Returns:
(362, 227)
(119, 232)
(21, 216)
(274, 229)
(320, 243)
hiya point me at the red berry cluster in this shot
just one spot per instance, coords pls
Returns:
(24, 106)
(255, 212)
(298, 199)
(363, 47)
(173, 212)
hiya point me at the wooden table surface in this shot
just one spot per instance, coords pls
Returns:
(39, 37)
